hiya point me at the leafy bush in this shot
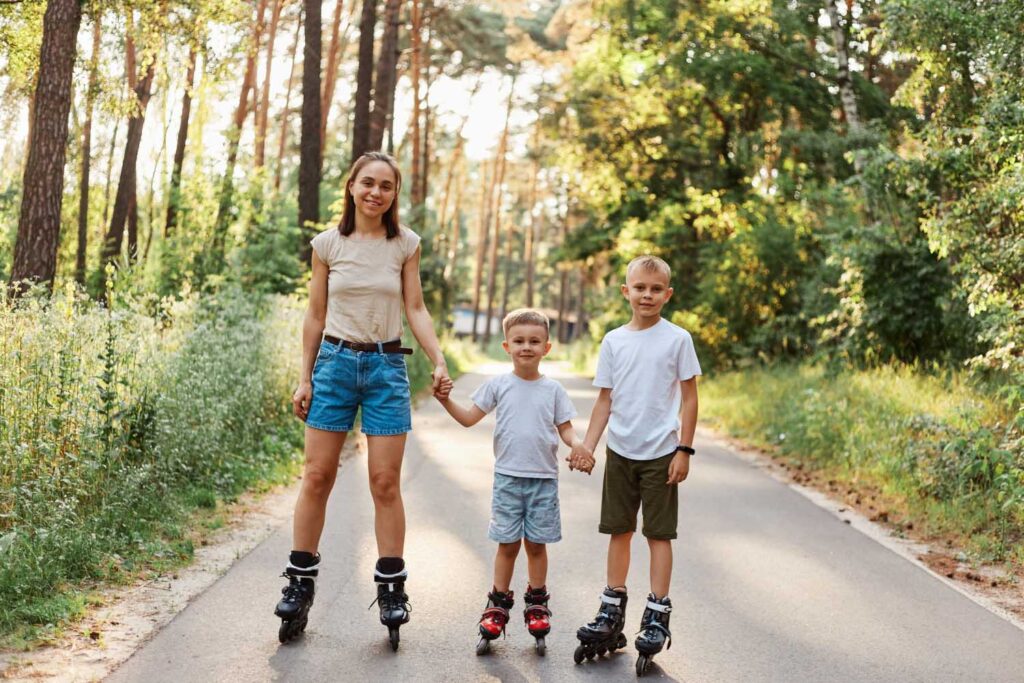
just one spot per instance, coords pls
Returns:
(114, 423)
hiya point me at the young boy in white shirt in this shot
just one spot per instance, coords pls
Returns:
(533, 411)
(646, 372)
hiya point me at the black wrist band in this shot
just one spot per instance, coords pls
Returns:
(685, 449)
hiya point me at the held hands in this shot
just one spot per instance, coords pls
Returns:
(443, 389)
(679, 468)
(581, 458)
(300, 400)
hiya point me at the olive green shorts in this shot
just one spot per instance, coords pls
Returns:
(627, 484)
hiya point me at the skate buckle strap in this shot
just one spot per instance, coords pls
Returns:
(609, 600)
(655, 625)
(658, 607)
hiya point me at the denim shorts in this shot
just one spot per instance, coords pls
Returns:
(344, 379)
(524, 507)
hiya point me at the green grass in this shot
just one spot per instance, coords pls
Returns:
(941, 450)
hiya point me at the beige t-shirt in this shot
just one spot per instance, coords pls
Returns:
(364, 285)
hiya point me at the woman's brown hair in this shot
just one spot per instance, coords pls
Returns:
(390, 217)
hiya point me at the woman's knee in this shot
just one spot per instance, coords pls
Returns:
(384, 487)
(318, 482)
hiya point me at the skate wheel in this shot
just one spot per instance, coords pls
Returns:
(302, 625)
(284, 633)
(542, 647)
(620, 642)
(577, 655)
(591, 654)
(483, 647)
(602, 651)
(642, 662)
(394, 638)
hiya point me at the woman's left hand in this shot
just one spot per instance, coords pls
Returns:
(439, 374)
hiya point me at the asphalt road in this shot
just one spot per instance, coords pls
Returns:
(767, 587)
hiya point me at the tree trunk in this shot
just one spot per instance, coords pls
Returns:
(424, 170)
(110, 172)
(227, 188)
(364, 80)
(531, 227)
(283, 140)
(496, 197)
(339, 44)
(262, 113)
(581, 301)
(481, 240)
(414, 125)
(174, 193)
(309, 146)
(387, 75)
(83, 191)
(452, 252)
(124, 200)
(506, 285)
(846, 93)
(35, 252)
(563, 285)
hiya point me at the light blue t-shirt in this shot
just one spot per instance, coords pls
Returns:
(525, 434)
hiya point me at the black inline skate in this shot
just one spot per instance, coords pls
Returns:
(537, 615)
(604, 633)
(654, 633)
(293, 609)
(494, 619)
(393, 602)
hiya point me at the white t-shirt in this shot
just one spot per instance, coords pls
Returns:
(525, 434)
(643, 369)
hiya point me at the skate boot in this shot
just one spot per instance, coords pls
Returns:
(654, 634)
(604, 633)
(393, 602)
(495, 616)
(537, 615)
(297, 598)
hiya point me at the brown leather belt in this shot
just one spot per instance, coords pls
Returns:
(393, 346)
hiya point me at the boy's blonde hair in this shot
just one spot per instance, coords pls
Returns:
(650, 264)
(525, 316)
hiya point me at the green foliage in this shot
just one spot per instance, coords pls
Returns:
(941, 447)
(116, 422)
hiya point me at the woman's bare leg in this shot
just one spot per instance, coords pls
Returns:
(321, 469)
(385, 468)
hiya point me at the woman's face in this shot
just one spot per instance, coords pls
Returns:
(373, 189)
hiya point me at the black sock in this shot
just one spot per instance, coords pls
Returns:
(389, 566)
(302, 559)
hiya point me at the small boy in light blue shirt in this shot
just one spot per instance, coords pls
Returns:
(533, 411)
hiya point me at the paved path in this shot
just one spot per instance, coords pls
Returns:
(767, 587)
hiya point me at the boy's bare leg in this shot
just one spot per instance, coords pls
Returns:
(618, 559)
(536, 563)
(661, 566)
(504, 565)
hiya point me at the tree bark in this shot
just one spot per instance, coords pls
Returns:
(414, 124)
(174, 193)
(846, 93)
(481, 240)
(227, 187)
(124, 200)
(563, 284)
(581, 301)
(35, 252)
(309, 145)
(387, 75)
(424, 170)
(339, 44)
(531, 227)
(283, 139)
(83, 190)
(262, 113)
(364, 80)
(492, 274)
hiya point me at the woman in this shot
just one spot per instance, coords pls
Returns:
(365, 272)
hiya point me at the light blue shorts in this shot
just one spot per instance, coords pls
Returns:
(525, 507)
(344, 380)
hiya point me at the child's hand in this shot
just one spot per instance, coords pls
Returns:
(581, 458)
(678, 468)
(444, 389)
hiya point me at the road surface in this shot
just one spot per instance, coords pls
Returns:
(767, 586)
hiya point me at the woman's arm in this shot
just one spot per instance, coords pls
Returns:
(312, 332)
(419, 317)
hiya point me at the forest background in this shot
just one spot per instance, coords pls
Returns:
(837, 185)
